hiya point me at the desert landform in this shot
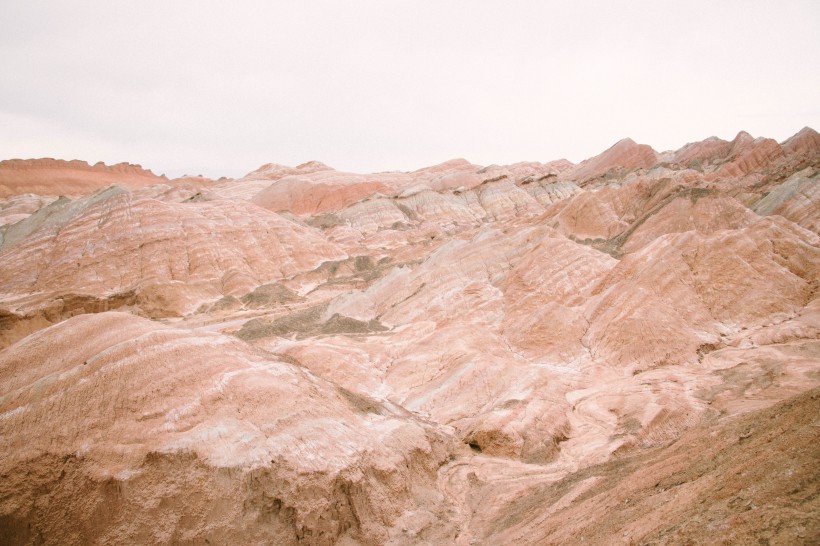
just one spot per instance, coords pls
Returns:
(620, 351)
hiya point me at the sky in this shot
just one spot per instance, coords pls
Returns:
(220, 88)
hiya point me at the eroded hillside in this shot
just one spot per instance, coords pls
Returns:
(621, 351)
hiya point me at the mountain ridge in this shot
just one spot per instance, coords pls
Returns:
(624, 350)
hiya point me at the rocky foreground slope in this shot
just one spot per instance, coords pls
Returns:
(621, 351)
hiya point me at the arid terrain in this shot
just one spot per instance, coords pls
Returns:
(620, 351)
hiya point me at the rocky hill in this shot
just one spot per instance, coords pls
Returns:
(623, 351)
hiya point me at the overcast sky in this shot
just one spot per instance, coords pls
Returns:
(219, 88)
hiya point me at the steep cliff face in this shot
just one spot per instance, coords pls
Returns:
(621, 351)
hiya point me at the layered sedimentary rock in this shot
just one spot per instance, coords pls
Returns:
(620, 351)
(623, 156)
(168, 436)
(70, 178)
(116, 248)
(116, 240)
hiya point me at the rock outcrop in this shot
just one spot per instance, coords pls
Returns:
(624, 156)
(168, 436)
(70, 178)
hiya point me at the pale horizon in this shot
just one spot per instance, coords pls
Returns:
(191, 88)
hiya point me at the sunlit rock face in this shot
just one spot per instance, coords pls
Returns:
(538, 353)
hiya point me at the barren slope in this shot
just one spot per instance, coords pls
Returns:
(621, 351)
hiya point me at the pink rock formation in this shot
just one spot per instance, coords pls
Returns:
(748, 155)
(806, 141)
(115, 241)
(71, 178)
(614, 352)
(625, 155)
(702, 153)
(302, 196)
(238, 429)
(798, 199)
(20, 207)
